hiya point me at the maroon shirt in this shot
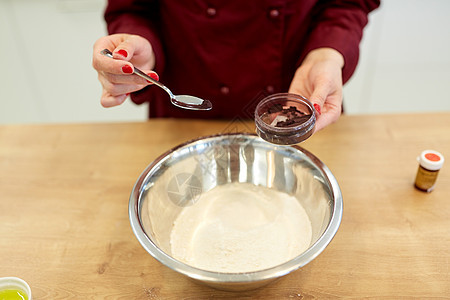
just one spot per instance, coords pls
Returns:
(234, 53)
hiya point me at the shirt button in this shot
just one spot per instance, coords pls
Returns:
(274, 13)
(211, 11)
(270, 89)
(224, 90)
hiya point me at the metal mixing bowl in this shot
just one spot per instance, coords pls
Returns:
(177, 178)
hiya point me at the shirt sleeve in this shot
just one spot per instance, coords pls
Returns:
(136, 17)
(339, 25)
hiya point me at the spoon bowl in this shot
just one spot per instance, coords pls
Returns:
(182, 101)
(191, 102)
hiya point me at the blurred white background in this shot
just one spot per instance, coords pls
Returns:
(46, 49)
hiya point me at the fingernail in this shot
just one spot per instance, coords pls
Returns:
(127, 69)
(154, 76)
(123, 52)
(317, 107)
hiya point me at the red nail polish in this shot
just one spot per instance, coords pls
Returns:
(123, 53)
(127, 69)
(317, 107)
(153, 76)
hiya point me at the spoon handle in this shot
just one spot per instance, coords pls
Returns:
(141, 74)
(148, 78)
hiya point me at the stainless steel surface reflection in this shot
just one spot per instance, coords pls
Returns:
(177, 178)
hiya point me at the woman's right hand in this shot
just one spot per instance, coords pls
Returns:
(115, 75)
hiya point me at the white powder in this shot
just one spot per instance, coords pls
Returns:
(240, 227)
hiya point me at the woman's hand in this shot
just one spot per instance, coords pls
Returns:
(319, 78)
(115, 75)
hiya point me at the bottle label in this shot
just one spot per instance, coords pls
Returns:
(425, 179)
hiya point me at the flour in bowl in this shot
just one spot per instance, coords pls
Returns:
(240, 227)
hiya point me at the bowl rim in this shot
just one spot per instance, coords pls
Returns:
(12, 282)
(219, 277)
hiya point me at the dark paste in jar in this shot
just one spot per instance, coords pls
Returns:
(285, 119)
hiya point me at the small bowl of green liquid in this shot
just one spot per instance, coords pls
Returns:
(13, 288)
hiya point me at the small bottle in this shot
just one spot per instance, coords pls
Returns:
(430, 162)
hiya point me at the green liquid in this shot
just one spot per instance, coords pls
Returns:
(13, 295)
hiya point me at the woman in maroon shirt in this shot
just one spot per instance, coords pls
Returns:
(233, 53)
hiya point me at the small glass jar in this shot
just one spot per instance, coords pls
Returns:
(430, 162)
(285, 119)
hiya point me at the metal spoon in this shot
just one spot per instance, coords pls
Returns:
(183, 101)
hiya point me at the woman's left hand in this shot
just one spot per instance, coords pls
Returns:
(319, 78)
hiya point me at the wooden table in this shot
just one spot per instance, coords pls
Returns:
(64, 222)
